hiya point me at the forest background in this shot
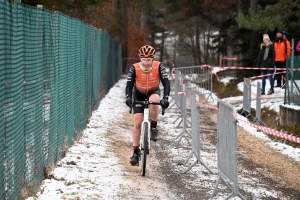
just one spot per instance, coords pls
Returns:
(196, 30)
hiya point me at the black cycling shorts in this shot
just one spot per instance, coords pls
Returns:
(139, 108)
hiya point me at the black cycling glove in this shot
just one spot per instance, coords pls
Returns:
(129, 102)
(164, 103)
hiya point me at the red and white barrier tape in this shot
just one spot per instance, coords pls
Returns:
(270, 131)
(186, 94)
(181, 92)
(246, 84)
(265, 75)
(258, 68)
(212, 70)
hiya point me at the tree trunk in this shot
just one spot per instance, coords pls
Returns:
(198, 49)
(162, 44)
(207, 45)
(253, 6)
(144, 17)
(121, 11)
(192, 41)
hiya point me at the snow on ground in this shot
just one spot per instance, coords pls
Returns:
(98, 173)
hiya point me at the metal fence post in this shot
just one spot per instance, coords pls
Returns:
(257, 118)
(196, 130)
(178, 99)
(227, 149)
(247, 98)
(184, 120)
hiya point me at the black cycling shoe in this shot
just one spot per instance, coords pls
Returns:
(154, 134)
(134, 160)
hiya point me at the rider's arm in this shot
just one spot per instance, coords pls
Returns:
(164, 80)
(130, 81)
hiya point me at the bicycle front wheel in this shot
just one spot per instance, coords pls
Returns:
(145, 149)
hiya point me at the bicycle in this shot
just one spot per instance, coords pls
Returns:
(145, 130)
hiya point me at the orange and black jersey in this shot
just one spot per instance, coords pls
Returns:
(147, 82)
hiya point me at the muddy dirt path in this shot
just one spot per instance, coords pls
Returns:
(258, 162)
(150, 186)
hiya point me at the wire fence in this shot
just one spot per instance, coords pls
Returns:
(53, 70)
(292, 89)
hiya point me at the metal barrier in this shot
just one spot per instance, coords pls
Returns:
(179, 62)
(195, 115)
(257, 118)
(176, 85)
(183, 116)
(227, 149)
(197, 79)
(247, 98)
(176, 96)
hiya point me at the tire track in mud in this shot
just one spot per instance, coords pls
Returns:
(152, 185)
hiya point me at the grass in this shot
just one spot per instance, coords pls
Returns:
(228, 90)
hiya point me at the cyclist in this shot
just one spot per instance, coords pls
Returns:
(144, 79)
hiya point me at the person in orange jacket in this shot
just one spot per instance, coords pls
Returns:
(144, 79)
(282, 49)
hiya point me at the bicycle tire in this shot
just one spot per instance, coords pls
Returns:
(144, 150)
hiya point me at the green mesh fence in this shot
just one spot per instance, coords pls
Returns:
(292, 92)
(53, 70)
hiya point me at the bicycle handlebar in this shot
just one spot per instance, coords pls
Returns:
(146, 103)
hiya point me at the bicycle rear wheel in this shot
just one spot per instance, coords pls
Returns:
(145, 149)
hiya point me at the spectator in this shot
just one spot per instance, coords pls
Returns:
(266, 59)
(298, 46)
(282, 53)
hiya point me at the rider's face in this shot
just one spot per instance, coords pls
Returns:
(146, 62)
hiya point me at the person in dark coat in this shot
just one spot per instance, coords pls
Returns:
(266, 59)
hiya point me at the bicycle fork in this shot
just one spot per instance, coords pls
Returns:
(145, 121)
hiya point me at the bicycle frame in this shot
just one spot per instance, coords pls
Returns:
(145, 142)
(145, 121)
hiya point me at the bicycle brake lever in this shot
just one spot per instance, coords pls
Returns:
(163, 111)
(130, 111)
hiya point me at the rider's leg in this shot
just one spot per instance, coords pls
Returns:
(138, 119)
(154, 110)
